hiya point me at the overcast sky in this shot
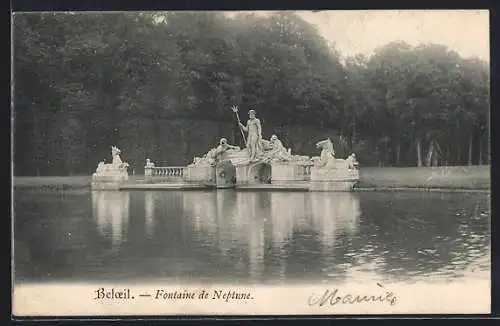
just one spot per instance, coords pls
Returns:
(361, 31)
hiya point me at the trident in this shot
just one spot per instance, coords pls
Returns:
(235, 110)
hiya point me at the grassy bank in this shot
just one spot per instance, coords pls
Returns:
(463, 177)
(59, 182)
(455, 177)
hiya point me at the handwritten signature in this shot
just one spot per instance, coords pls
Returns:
(334, 297)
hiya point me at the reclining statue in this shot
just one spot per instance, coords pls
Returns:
(275, 151)
(214, 155)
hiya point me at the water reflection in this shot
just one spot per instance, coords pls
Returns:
(283, 213)
(334, 214)
(253, 209)
(286, 210)
(263, 236)
(111, 212)
(149, 203)
(253, 231)
(200, 208)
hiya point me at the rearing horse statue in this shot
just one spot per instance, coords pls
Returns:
(327, 156)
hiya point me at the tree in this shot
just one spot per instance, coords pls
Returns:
(149, 82)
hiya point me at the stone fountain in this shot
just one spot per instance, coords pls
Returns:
(268, 164)
(262, 164)
(275, 167)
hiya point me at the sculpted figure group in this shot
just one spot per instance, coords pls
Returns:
(327, 159)
(272, 150)
(260, 149)
(116, 165)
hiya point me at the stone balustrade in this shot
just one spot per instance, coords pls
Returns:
(166, 172)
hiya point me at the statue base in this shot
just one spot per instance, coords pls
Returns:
(332, 185)
(284, 172)
(109, 180)
(106, 185)
(225, 175)
(201, 174)
(333, 179)
(253, 173)
(321, 174)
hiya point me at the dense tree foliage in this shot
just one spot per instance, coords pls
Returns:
(160, 85)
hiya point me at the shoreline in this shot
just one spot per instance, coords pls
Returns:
(428, 179)
(421, 189)
(86, 185)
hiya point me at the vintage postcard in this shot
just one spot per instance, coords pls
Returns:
(251, 163)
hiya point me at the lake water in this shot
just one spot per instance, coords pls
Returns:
(249, 237)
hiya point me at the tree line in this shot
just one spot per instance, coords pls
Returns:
(161, 84)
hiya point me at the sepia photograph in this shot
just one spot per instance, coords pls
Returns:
(250, 163)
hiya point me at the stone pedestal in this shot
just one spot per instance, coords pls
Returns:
(242, 174)
(333, 179)
(286, 173)
(106, 185)
(202, 173)
(109, 180)
(253, 173)
(225, 175)
(332, 185)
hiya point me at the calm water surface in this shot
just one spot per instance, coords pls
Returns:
(249, 237)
